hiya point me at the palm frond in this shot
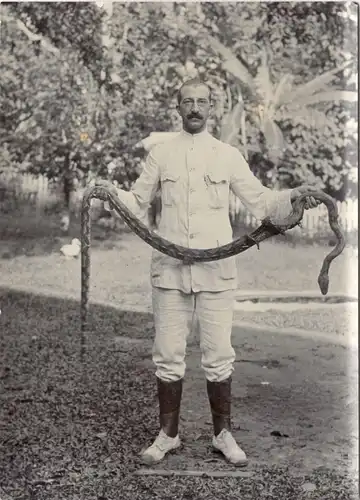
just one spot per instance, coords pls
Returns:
(315, 85)
(231, 124)
(263, 82)
(275, 142)
(329, 96)
(283, 87)
(231, 62)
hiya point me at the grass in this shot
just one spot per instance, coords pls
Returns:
(120, 271)
(25, 234)
(72, 431)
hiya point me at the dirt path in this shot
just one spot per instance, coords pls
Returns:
(120, 275)
(299, 387)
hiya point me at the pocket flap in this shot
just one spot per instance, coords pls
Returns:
(217, 177)
(169, 176)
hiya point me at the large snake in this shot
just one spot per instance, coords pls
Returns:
(267, 229)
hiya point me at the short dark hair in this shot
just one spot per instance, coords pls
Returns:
(194, 82)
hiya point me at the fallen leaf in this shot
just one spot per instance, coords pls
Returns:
(101, 435)
(74, 476)
(309, 487)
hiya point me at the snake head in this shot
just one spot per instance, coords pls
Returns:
(323, 281)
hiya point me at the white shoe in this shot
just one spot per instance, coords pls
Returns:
(226, 444)
(160, 447)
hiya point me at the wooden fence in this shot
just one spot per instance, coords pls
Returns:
(36, 190)
(314, 222)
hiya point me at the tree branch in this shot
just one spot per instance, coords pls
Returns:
(32, 36)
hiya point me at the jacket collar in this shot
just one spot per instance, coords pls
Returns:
(201, 135)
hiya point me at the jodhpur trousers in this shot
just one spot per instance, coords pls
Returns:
(173, 313)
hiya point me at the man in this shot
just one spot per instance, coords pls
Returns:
(195, 172)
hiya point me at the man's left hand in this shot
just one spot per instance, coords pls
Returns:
(310, 201)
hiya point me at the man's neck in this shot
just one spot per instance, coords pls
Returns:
(198, 132)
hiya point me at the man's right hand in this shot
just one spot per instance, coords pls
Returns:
(108, 185)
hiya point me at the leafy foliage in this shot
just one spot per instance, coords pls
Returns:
(75, 26)
(83, 83)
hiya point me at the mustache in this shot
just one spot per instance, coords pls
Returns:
(194, 115)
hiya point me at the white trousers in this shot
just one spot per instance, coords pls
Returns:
(173, 313)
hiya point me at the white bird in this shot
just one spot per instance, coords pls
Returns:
(72, 250)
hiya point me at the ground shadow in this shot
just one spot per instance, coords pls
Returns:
(59, 416)
(73, 430)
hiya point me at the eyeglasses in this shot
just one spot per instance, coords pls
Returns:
(189, 103)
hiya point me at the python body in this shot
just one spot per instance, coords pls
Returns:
(267, 229)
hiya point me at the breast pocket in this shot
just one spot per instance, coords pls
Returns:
(169, 188)
(218, 189)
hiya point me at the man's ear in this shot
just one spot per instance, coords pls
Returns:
(178, 109)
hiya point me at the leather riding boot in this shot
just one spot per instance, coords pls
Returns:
(219, 394)
(169, 394)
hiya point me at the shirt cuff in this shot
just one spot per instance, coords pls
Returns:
(130, 201)
(283, 207)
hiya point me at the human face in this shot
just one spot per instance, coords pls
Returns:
(194, 108)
